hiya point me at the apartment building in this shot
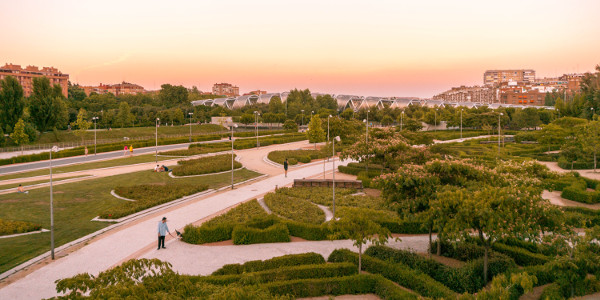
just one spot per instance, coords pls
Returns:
(226, 89)
(123, 88)
(496, 77)
(25, 77)
(479, 94)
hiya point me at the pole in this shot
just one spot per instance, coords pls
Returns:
(461, 136)
(51, 211)
(401, 120)
(327, 143)
(367, 144)
(156, 145)
(499, 134)
(190, 114)
(232, 156)
(95, 118)
(333, 186)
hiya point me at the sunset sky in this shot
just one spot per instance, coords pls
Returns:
(380, 48)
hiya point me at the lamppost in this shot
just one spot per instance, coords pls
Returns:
(367, 142)
(592, 113)
(256, 114)
(232, 125)
(94, 119)
(333, 164)
(461, 110)
(327, 143)
(501, 114)
(54, 149)
(401, 120)
(156, 146)
(190, 114)
(302, 117)
(435, 119)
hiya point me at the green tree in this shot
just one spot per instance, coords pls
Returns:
(173, 95)
(315, 132)
(360, 229)
(387, 120)
(552, 134)
(590, 139)
(124, 117)
(46, 105)
(290, 125)
(81, 124)
(11, 101)
(326, 101)
(276, 106)
(18, 135)
(76, 93)
(177, 116)
(270, 118)
(347, 114)
(412, 124)
(247, 119)
(2, 138)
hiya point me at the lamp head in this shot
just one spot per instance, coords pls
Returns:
(337, 138)
(157, 119)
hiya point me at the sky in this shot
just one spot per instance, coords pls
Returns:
(369, 48)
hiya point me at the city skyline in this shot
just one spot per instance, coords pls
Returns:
(384, 48)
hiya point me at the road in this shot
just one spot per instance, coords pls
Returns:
(91, 158)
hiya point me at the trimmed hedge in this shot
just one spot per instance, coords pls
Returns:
(205, 165)
(576, 193)
(294, 208)
(399, 273)
(149, 195)
(310, 258)
(13, 227)
(303, 156)
(552, 292)
(245, 235)
(461, 251)
(356, 284)
(318, 195)
(521, 256)
(286, 273)
(308, 231)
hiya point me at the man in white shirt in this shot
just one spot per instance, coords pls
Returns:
(163, 229)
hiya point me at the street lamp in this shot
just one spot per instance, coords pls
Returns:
(461, 136)
(327, 143)
(337, 138)
(94, 119)
(435, 119)
(501, 114)
(190, 114)
(156, 146)
(367, 142)
(401, 120)
(302, 117)
(256, 113)
(232, 125)
(54, 149)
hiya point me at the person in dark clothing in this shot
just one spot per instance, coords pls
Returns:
(285, 166)
(165, 168)
(163, 229)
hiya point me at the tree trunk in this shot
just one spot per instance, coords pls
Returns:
(594, 161)
(430, 243)
(359, 258)
(572, 162)
(439, 244)
(485, 263)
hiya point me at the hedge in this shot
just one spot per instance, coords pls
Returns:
(310, 258)
(318, 195)
(308, 231)
(552, 292)
(293, 208)
(356, 171)
(399, 273)
(245, 235)
(286, 273)
(521, 256)
(303, 156)
(461, 251)
(12, 227)
(205, 165)
(149, 195)
(356, 284)
(576, 193)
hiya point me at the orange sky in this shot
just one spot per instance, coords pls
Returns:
(383, 48)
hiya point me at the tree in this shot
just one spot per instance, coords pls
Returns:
(177, 116)
(290, 125)
(412, 124)
(590, 139)
(171, 95)
(18, 135)
(11, 101)
(81, 124)
(552, 134)
(276, 106)
(326, 101)
(347, 114)
(124, 117)
(76, 93)
(247, 119)
(2, 137)
(270, 118)
(46, 105)
(315, 132)
(360, 229)
(387, 120)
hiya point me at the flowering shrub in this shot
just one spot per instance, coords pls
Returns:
(11, 227)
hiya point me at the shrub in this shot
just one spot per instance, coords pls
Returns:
(309, 232)
(399, 273)
(149, 195)
(472, 272)
(245, 235)
(304, 156)
(286, 273)
(240, 214)
(294, 208)
(552, 292)
(12, 227)
(575, 193)
(461, 251)
(310, 258)
(521, 256)
(205, 165)
(319, 195)
(206, 234)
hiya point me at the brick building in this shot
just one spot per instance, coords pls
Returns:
(225, 89)
(530, 97)
(123, 88)
(256, 92)
(479, 94)
(496, 77)
(25, 77)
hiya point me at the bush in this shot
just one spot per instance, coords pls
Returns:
(205, 165)
(308, 231)
(356, 284)
(12, 227)
(472, 272)
(399, 273)
(303, 156)
(149, 195)
(319, 195)
(243, 235)
(206, 234)
(575, 193)
(294, 208)
(552, 292)
(310, 258)
(286, 273)
(521, 256)
(461, 251)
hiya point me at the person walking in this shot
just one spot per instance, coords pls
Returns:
(86, 151)
(125, 151)
(130, 150)
(285, 166)
(163, 229)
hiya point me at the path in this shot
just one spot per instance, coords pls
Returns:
(117, 245)
(555, 198)
(553, 166)
(468, 138)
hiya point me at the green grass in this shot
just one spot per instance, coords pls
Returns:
(239, 214)
(75, 204)
(88, 166)
(206, 165)
(294, 208)
(25, 184)
(295, 156)
(489, 152)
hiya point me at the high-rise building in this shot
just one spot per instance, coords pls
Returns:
(25, 77)
(496, 77)
(226, 89)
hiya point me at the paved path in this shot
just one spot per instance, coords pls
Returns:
(128, 241)
(553, 166)
(468, 138)
(555, 198)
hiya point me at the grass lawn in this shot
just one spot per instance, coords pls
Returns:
(75, 204)
(15, 185)
(88, 166)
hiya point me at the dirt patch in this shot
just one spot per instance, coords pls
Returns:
(372, 192)
(58, 192)
(450, 262)
(535, 293)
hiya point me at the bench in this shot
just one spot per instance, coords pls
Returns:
(339, 183)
